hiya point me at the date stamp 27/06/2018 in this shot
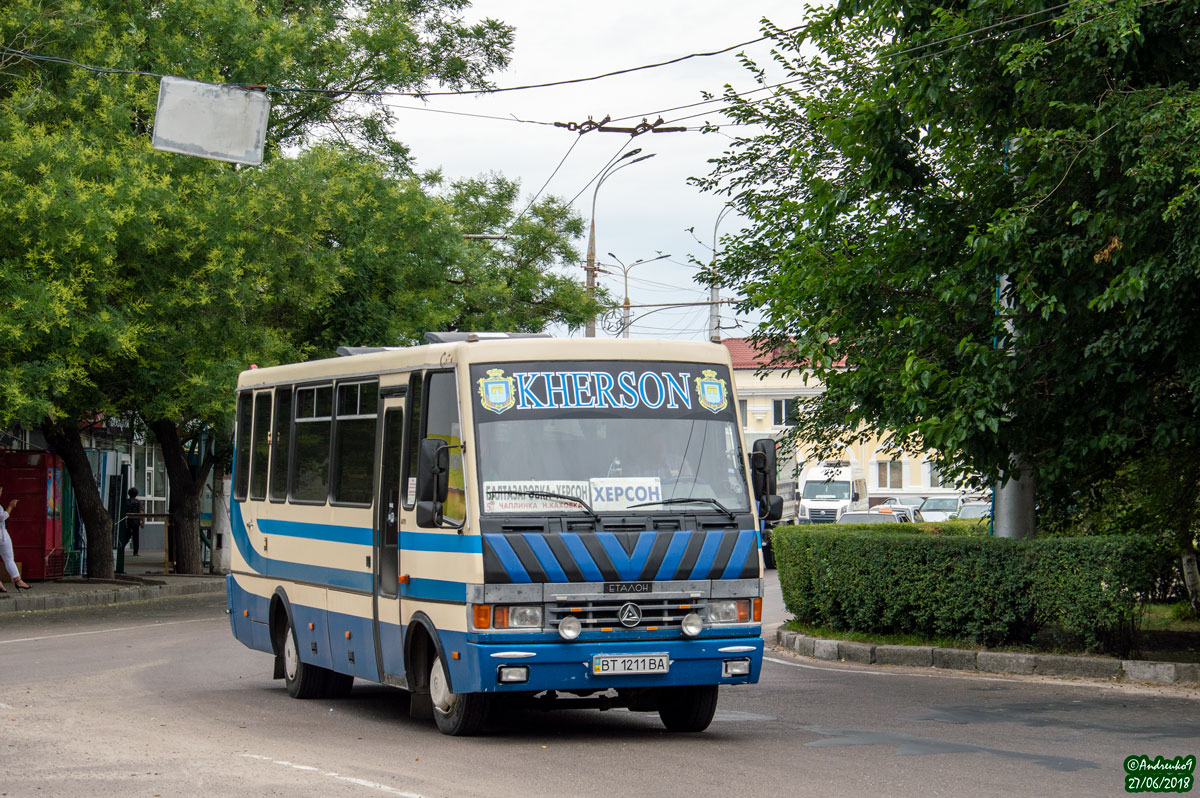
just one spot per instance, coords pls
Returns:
(1143, 774)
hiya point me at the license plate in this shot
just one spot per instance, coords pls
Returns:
(615, 665)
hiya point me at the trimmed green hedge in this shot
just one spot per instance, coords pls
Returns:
(994, 591)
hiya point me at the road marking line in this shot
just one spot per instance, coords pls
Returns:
(915, 670)
(372, 785)
(836, 670)
(104, 631)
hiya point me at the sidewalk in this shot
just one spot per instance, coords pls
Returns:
(1183, 674)
(143, 579)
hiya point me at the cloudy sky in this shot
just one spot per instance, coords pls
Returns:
(645, 209)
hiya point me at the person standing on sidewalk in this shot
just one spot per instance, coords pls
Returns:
(133, 526)
(6, 547)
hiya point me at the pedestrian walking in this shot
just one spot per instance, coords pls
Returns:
(133, 526)
(6, 547)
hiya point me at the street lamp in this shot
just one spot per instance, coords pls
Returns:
(714, 293)
(615, 166)
(625, 270)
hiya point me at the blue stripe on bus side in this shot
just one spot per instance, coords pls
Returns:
(298, 572)
(441, 541)
(747, 538)
(508, 558)
(434, 589)
(359, 536)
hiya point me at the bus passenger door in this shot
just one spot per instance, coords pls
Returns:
(389, 649)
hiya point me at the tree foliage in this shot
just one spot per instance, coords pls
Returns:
(918, 157)
(138, 282)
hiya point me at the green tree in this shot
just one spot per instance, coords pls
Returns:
(135, 280)
(922, 155)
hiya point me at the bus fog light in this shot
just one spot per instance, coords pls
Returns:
(692, 625)
(518, 674)
(569, 628)
(736, 667)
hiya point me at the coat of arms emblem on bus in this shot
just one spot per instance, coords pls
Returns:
(497, 392)
(711, 391)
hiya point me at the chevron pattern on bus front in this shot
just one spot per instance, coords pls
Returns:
(644, 556)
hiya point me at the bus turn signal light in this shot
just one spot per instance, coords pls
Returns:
(758, 610)
(483, 615)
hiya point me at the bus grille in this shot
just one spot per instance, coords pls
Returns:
(595, 614)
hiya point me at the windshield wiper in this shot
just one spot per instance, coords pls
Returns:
(713, 502)
(545, 494)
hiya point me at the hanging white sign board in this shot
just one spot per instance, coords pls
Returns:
(211, 121)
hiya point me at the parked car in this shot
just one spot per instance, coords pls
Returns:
(906, 501)
(974, 510)
(910, 503)
(939, 508)
(869, 517)
(903, 512)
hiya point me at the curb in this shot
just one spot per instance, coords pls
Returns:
(117, 594)
(1126, 670)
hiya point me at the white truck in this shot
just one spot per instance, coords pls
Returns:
(832, 487)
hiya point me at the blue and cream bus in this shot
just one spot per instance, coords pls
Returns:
(572, 523)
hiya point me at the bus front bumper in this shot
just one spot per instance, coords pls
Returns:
(535, 667)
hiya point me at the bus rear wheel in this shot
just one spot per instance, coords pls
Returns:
(456, 714)
(688, 709)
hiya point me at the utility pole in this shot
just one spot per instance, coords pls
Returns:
(625, 320)
(1012, 499)
(714, 293)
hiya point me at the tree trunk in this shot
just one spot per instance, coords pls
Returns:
(64, 437)
(1191, 577)
(186, 491)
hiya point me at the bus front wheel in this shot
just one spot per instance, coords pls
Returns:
(456, 714)
(688, 709)
(302, 680)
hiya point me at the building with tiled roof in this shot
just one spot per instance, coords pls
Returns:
(767, 396)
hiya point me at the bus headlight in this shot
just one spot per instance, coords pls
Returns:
(569, 628)
(729, 611)
(520, 617)
(692, 625)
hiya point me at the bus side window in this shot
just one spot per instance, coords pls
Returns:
(281, 444)
(442, 422)
(314, 424)
(414, 440)
(354, 442)
(261, 451)
(241, 470)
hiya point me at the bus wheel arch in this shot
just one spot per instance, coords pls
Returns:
(280, 614)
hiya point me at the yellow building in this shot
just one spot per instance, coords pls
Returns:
(766, 399)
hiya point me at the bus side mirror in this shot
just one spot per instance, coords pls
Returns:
(758, 476)
(766, 469)
(429, 514)
(433, 471)
(773, 509)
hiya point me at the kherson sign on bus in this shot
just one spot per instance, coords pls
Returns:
(603, 390)
(208, 120)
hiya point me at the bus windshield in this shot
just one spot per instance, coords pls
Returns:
(832, 491)
(613, 435)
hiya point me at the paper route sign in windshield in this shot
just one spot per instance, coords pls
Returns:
(602, 494)
(649, 389)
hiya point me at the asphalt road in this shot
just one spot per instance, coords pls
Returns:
(158, 699)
